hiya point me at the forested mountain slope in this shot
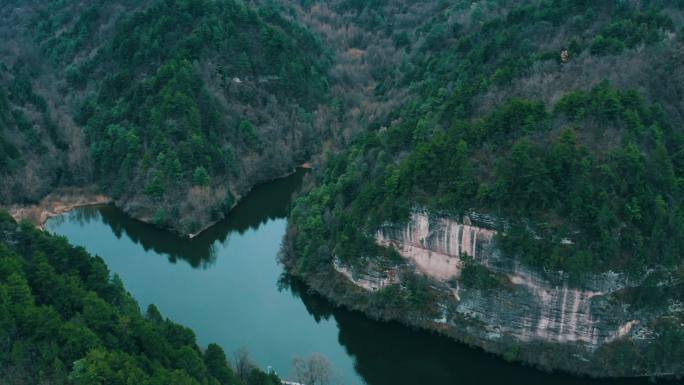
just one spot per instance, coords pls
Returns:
(174, 108)
(64, 319)
(509, 173)
(538, 156)
(369, 42)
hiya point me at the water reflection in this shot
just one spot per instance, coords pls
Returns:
(260, 206)
(236, 301)
(81, 216)
(387, 353)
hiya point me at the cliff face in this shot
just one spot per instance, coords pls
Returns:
(528, 307)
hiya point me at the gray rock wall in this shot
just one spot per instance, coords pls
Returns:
(531, 306)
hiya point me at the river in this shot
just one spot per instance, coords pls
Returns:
(227, 285)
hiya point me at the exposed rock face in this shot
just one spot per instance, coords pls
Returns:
(531, 307)
(371, 280)
(435, 247)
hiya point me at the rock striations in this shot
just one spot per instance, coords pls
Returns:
(529, 307)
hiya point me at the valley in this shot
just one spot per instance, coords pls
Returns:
(498, 176)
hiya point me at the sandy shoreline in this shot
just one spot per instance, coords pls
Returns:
(57, 203)
(64, 200)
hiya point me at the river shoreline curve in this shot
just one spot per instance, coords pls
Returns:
(56, 203)
(63, 200)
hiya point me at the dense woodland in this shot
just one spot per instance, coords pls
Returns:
(598, 165)
(169, 125)
(32, 143)
(176, 108)
(548, 183)
(65, 319)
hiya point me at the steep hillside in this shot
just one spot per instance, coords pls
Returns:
(174, 108)
(369, 42)
(39, 148)
(37, 109)
(66, 320)
(536, 165)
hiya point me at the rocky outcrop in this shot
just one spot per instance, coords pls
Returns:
(371, 279)
(532, 306)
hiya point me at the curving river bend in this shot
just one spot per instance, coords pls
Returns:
(227, 285)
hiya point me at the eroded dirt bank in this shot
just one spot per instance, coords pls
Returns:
(62, 200)
(56, 203)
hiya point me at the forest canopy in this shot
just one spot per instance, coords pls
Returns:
(161, 104)
(587, 181)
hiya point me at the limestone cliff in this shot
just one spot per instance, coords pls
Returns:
(531, 307)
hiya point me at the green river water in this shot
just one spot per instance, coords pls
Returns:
(228, 287)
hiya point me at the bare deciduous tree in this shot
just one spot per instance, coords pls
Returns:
(314, 370)
(243, 363)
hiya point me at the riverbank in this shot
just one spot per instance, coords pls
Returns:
(57, 203)
(305, 166)
(63, 200)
